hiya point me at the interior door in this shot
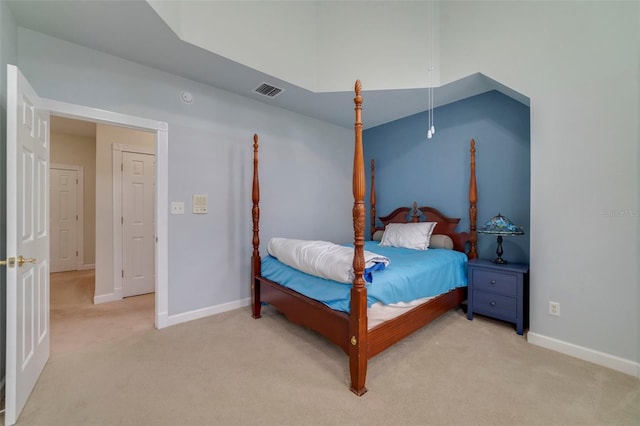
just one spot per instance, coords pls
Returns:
(138, 223)
(64, 219)
(27, 242)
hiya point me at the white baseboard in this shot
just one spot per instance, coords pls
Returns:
(87, 266)
(606, 360)
(205, 312)
(104, 298)
(162, 320)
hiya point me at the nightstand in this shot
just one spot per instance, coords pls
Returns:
(499, 291)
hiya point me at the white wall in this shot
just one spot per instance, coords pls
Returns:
(305, 164)
(578, 63)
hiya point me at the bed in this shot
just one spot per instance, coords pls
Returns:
(351, 330)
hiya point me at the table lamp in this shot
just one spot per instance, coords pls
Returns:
(500, 225)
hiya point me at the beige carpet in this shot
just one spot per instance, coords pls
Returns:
(77, 323)
(230, 369)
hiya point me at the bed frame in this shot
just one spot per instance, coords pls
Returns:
(349, 331)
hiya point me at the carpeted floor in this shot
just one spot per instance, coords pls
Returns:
(76, 322)
(230, 369)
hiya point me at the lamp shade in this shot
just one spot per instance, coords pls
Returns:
(501, 225)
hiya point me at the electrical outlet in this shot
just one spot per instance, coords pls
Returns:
(554, 308)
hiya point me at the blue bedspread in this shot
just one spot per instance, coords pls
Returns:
(411, 274)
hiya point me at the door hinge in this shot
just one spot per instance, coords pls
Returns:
(122, 220)
(76, 252)
(76, 217)
(123, 273)
(121, 167)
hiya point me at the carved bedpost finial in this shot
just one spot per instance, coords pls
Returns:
(415, 213)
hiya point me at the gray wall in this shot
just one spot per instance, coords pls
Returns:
(305, 164)
(578, 64)
(8, 55)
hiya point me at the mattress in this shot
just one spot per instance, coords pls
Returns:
(412, 277)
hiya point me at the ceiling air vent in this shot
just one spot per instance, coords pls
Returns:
(268, 90)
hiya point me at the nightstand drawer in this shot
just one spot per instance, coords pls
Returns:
(494, 305)
(497, 282)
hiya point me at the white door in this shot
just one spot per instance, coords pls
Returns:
(28, 240)
(138, 223)
(63, 203)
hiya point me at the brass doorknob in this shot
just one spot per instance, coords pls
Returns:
(22, 260)
(10, 261)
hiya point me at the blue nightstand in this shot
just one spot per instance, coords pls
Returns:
(499, 291)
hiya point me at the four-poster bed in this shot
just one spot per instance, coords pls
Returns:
(350, 330)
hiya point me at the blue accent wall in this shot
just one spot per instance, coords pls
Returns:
(435, 172)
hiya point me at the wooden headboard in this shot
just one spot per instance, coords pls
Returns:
(444, 224)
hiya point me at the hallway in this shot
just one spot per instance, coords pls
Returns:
(77, 323)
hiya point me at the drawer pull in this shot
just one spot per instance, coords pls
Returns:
(493, 281)
(492, 303)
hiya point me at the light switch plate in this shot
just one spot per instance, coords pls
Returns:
(177, 207)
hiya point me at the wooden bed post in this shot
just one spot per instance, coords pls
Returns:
(358, 356)
(255, 257)
(473, 199)
(372, 198)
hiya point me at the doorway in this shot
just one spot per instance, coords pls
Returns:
(160, 148)
(76, 319)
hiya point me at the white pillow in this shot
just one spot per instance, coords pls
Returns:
(408, 235)
(441, 241)
(377, 236)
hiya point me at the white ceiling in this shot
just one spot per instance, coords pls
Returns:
(114, 27)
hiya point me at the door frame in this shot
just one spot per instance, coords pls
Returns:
(117, 150)
(79, 209)
(161, 130)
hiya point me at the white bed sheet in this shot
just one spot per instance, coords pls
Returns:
(379, 313)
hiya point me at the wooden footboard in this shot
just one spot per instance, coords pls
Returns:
(389, 332)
